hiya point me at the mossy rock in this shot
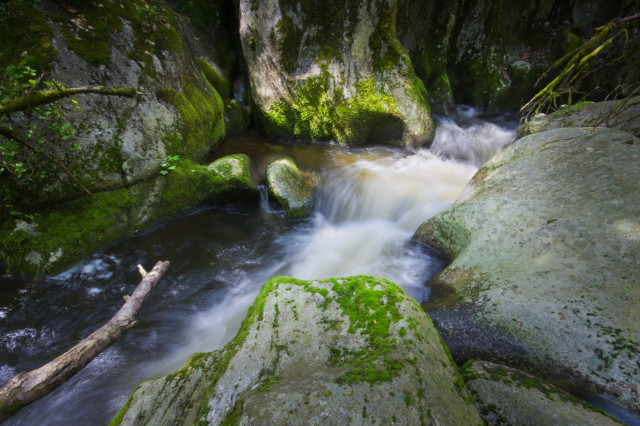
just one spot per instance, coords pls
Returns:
(506, 395)
(347, 351)
(290, 187)
(67, 232)
(543, 243)
(332, 71)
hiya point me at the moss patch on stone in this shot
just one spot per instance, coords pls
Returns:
(64, 234)
(26, 35)
(318, 114)
(217, 81)
(88, 28)
(202, 113)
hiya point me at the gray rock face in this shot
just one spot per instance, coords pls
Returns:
(332, 71)
(489, 53)
(124, 141)
(505, 395)
(623, 114)
(289, 187)
(545, 248)
(342, 351)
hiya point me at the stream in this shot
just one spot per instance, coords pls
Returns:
(369, 202)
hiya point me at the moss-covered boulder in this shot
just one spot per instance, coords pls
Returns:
(120, 145)
(545, 247)
(505, 395)
(332, 70)
(341, 351)
(290, 187)
(66, 232)
(621, 114)
(117, 141)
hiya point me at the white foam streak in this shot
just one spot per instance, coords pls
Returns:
(474, 144)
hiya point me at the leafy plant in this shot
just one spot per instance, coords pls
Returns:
(32, 124)
(169, 164)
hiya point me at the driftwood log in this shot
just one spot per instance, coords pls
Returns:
(27, 387)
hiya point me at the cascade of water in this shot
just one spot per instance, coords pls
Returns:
(368, 204)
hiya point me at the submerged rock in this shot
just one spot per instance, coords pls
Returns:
(505, 395)
(290, 187)
(341, 351)
(621, 114)
(545, 248)
(332, 71)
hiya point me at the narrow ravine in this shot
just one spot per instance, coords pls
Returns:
(369, 203)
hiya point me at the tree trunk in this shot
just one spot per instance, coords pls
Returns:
(27, 387)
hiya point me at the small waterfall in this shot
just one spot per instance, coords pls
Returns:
(264, 198)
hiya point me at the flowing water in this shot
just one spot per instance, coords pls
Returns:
(369, 202)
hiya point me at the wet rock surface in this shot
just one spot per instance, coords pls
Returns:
(505, 395)
(545, 251)
(351, 350)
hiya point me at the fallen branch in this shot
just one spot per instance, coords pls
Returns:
(9, 134)
(30, 386)
(43, 97)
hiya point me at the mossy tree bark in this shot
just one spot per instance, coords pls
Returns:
(43, 97)
(30, 386)
(38, 98)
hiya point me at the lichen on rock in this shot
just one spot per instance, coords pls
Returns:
(342, 350)
(290, 187)
(543, 242)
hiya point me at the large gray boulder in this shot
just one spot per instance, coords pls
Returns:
(506, 395)
(332, 70)
(119, 141)
(545, 248)
(623, 114)
(121, 145)
(341, 351)
(288, 185)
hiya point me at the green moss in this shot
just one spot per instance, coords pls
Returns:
(317, 113)
(10, 408)
(117, 420)
(88, 28)
(202, 120)
(233, 416)
(290, 38)
(69, 231)
(326, 25)
(219, 83)
(26, 33)
(407, 398)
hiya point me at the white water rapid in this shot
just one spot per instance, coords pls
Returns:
(369, 203)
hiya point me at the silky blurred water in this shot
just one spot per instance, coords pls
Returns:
(369, 202)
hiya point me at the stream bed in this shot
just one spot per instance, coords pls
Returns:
(369, 203)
